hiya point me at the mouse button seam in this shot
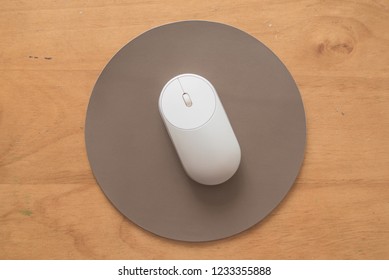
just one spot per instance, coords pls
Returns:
(182, 88)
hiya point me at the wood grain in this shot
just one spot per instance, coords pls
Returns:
(51, 53)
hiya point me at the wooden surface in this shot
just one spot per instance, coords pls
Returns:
(51, 53)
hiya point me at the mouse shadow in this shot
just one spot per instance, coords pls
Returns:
(222, 195)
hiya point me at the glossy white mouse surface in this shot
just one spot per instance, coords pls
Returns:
(199, 129)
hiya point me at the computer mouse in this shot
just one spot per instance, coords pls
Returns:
(199, 128)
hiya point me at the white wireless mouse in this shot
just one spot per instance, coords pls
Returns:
(199, 129)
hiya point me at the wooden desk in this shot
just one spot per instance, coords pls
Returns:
(51, 53)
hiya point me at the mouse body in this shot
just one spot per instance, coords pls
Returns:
(199, 128)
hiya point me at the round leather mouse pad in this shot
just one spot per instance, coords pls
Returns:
(134, 161)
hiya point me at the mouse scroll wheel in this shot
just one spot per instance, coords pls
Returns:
(187, 100)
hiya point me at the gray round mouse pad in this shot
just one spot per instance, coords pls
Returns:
(131, 154)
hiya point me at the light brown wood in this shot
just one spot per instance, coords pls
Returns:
(51, 53)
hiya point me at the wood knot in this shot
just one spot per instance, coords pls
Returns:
(344, 48)
(335, 47)
(333, 39)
